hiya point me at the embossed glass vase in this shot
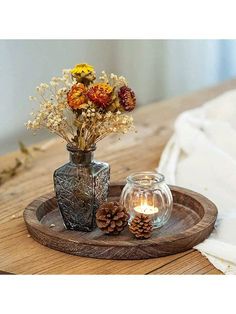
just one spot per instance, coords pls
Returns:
(81, 186)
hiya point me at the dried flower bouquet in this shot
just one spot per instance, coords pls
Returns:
(81, 110)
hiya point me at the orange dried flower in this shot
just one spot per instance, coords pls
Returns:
(100, 94)
(77, 96)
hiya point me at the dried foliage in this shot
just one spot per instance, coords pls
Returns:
(20, 164)
(83, 111)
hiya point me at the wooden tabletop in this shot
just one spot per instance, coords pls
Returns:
(20, 254)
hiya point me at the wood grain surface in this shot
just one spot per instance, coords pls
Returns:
(192, 220)
(140, 151)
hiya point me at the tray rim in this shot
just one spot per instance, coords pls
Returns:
(207, 221)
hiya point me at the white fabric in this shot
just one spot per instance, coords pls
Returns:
(201, 156)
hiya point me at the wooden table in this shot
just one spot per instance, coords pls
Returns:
(20, 254)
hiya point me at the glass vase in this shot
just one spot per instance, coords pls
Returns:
(147, 193)
(81, 186)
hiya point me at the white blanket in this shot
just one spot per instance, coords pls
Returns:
(201, 156)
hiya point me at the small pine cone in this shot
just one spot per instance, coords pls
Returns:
(141, 226)
(112, 217)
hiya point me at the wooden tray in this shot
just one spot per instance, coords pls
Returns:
(191, 221)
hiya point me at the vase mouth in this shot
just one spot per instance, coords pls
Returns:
(74, 149)
(146, 179)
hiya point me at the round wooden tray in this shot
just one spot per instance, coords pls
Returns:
(191, 221)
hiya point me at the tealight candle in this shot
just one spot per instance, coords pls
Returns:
(147, 193)
(146, 209)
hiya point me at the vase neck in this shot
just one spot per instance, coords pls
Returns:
(80, 157)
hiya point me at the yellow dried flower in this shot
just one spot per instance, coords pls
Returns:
(82, 68)
(83, 73)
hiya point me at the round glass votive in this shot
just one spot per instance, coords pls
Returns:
(147, 193)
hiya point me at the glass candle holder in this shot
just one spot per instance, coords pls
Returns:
(147, 193)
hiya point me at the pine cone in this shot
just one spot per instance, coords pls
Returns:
(112, 217)
(141, 226)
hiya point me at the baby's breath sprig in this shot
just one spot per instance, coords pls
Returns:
(113, 79)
